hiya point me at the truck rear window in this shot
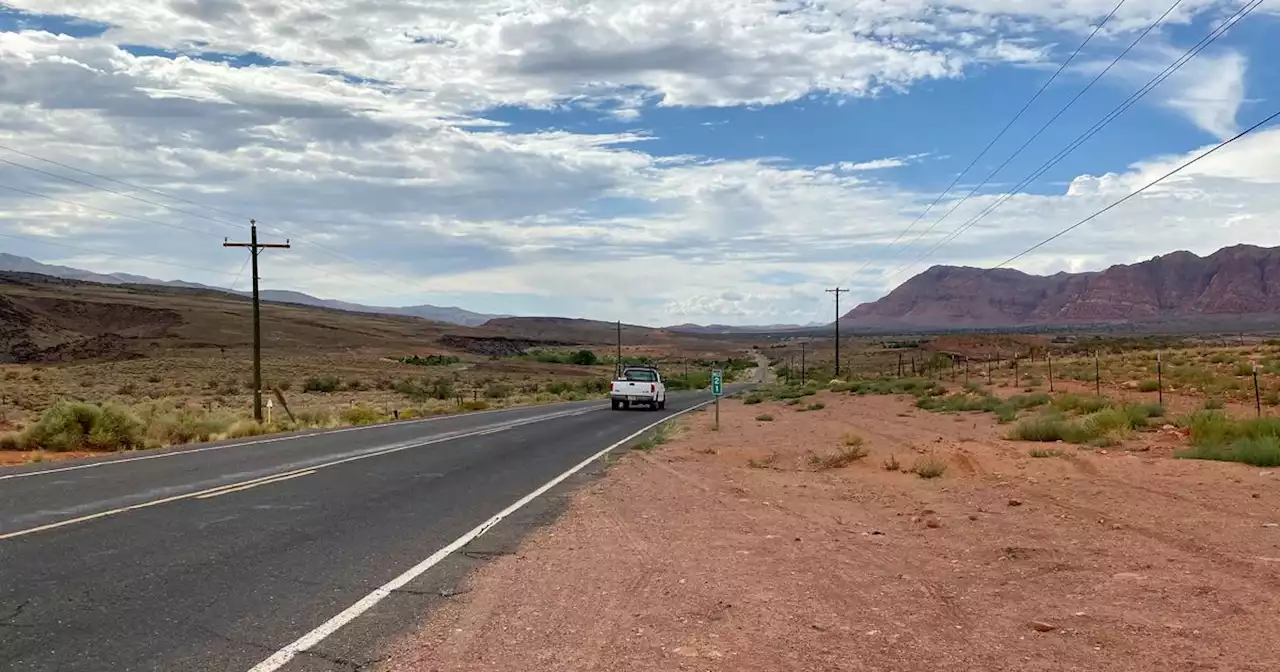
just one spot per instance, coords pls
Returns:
(640, 376)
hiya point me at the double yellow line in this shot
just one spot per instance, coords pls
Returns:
(289, 475)
(202, 494)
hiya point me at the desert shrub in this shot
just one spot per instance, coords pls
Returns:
(1042, 428)
(185, 426)
(1259, 451)
(497, 390)
(816, 406)
(891, 464)
(322, 384)
(1244, 369)
(846, 455)
(362, 415)
(593, 386)
(752, 399)
(559, 387)
(474, 405)
(154, 378)
(929, 466)
(584, 358)
(764, 417)
(127, 390)
(1213, 404)
(315, 418)
(75, 425)
(355, 385)
(1045, 453)
(1149, 386)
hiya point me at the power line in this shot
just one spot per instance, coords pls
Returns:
(123, 183)
(120, 193)
(1044, 127)
(1147, 186)
(81, 248)
(103, 210)
(1182, 60)
(1002, 132)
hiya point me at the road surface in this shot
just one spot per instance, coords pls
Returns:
(220, 557)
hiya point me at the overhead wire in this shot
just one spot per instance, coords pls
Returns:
(1173, 67)
(990, 144)
(82, 248)
(1136, 192)
(120, 193)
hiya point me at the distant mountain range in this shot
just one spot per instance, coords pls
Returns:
(1241, 280)
(750, 329)
(449, 314)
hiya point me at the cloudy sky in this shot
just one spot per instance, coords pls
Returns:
(657, 161)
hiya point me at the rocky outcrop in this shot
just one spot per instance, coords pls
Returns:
(1239, 280)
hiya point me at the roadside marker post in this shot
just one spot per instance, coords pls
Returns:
(270, 405)
(717, 388)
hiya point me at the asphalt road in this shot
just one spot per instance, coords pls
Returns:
(215, 558)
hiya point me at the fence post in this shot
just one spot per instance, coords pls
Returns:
(913, 366)
(966, 370)
(1257, 393)
(1097, 375)
(899, 364)
(988, 372)
(1160, 377)
(1049, 358)
(1017, 379)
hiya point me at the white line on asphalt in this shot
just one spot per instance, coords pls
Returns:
(282, 657)
(261, 480)
(254, 485)
(291, 437)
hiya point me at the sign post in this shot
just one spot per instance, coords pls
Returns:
(717, 388)
(269, 407)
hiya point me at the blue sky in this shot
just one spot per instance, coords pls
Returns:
(660, 162)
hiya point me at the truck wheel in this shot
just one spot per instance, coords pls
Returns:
(614, 403)
(653, 405)
(626, 405)
(662, 405)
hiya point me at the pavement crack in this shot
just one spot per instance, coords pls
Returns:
(16, 612)
(478, 555)
(356, 666)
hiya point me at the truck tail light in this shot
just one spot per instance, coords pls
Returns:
(653, 387)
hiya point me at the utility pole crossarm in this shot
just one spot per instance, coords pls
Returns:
(837, 291)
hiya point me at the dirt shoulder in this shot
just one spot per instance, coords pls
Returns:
(690, 558)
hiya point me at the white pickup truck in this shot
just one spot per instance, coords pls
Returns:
(639, 385)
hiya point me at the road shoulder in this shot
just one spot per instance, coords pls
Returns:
(728, 550)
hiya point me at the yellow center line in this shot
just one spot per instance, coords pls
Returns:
(253, 485)
(143, 505)
(274, 478)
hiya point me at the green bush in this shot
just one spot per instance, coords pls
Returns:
(764, 417)
(474, 405)
(362, 415)
(1149, 386)
(1261, 451)
(752, 399)
(584, 358)
(75, 425)
(929, 466)
(1041, 428)
(497, 391)
(323, 384)
(559, 387)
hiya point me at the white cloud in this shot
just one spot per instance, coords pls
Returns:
(407, 177)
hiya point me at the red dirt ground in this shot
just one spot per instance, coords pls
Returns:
(689, 559)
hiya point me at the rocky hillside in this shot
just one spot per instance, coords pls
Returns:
(1239, 280)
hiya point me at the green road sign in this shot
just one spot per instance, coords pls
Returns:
(717, 382)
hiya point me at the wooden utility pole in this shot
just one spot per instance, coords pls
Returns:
(803, 378)
(254, 248)
(837, 291)
(618, 368)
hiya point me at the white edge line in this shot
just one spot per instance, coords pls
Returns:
(282, 657)
(291, 437)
